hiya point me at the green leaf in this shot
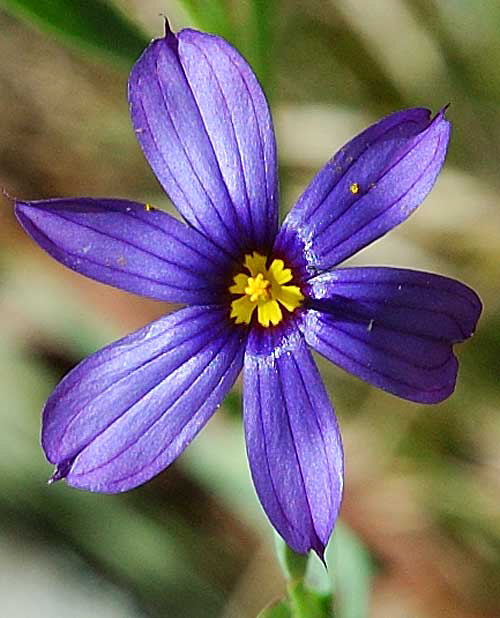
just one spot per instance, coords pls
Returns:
(292, 564)
(278, 610)
(251, 30)
(307, 603)
(259, 49)
(93, 26)
(302, 603)
(352, 569)
(232, 403)
(210, 15)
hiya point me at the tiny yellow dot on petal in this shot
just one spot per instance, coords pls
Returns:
(354, 188)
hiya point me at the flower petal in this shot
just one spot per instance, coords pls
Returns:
(125, 413)
(392, 327)
(203, 123)
(293, 441)
(129, 246)
(371, 185)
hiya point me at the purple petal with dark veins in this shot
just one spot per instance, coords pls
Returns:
(392, 327)
(203, 123)
(371, 185)
(293, 441)
(129, 246)
(125, 413)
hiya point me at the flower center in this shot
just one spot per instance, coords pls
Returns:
(263, 289)
(257, 288)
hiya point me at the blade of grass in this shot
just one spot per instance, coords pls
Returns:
(90, 26)
(260, 46)
(352, 569)
(210, 15)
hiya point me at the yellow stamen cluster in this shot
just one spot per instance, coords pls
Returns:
(264, 288)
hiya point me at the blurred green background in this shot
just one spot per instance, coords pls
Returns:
(421, 535)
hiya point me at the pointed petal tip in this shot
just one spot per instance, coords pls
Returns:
(61, 471)
(392, 166)
(314, 544)
(22, 209)
(169, 38)
(321, 556)
(442, 113)
(102, 426)
(418, 318)
(127, 244)
(318, 547)
(440, 119)
(7, 195)
(166, 25)
(204, 125)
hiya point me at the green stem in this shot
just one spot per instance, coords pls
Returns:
(295, 565)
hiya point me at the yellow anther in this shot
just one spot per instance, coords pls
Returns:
(354, 188)
(257, 288)
(148, 207)
(263, 288)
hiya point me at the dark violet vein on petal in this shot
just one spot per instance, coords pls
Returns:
(185, 390)
(297, 457)
(144, 364)
(200, 226)
(121, 271)
(221, 379)
(368, 314)
(292, 439)
(348, 167)
(389, 351)
(236, 143)
(191, 165)
(265, 443)
(338, 243)
(262, 156)
(193, 247)
(308, 397)
(355, 361)
(181, 266)
(396, 282)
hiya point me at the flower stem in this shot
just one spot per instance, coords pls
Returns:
(295, 565)
(302, 602)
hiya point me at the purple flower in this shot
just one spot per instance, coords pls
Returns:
(256, 295)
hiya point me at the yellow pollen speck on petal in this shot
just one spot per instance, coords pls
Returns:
(264, 289)
(148, 207)
(354, 188)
